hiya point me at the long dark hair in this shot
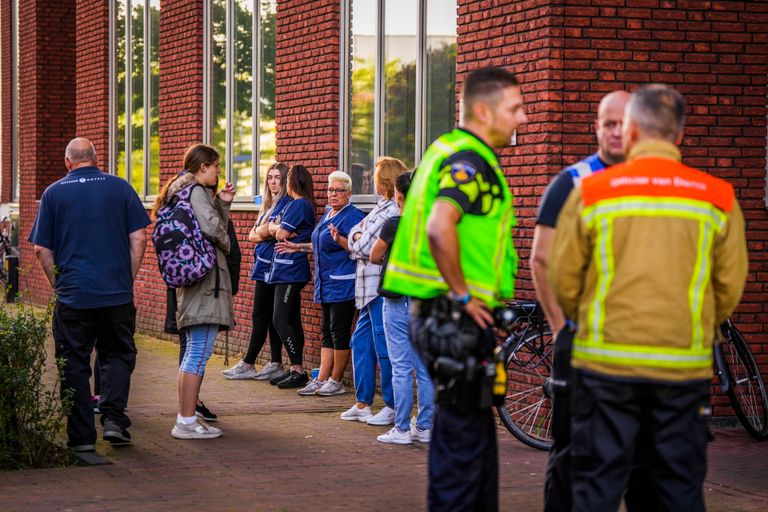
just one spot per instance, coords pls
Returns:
(300, 182)
(194, 158)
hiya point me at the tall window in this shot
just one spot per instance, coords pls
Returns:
(135, 154)
(398, 92)
(15, 101)
(239, 92)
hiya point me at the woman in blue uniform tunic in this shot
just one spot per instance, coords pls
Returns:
(290, 272)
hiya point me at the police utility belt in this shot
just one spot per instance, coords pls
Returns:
(463, 359)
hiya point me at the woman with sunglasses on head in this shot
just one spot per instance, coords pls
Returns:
(274, 200)
(334, 284)
(290, 272)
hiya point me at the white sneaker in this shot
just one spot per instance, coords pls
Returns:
(355, 414)
(331, 388)
(311, 388)
(386, 416)
(197, 430)
(394, 436)
(238, 367)
(422, 436)
(240, 371)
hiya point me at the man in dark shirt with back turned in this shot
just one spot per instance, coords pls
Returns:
(89, 239)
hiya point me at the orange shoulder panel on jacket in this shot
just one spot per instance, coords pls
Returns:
(658, 177)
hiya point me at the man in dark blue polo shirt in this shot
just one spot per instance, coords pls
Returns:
(89, 239)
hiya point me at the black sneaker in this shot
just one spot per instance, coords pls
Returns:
(205, 413)
(295, 380)
(279, 377)
(115, 434)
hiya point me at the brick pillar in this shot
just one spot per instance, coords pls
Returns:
(307, 90)
(6, 99)
(47, 75)
(93, 76)
(181, 125)
(526, 38)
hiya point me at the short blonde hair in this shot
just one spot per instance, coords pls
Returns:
(387, 171)
(342, 177)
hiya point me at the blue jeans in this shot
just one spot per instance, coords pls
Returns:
(369, 344)
(200, 341)
(405, 361)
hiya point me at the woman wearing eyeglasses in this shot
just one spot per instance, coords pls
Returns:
(334, 284)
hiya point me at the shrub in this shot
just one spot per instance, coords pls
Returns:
(32, 413)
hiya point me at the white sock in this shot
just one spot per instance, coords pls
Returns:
(187, 420)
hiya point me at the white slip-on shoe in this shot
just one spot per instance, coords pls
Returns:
(240, 372)
(386, 416)
(356, 414)
(238, 367)
(422, 436)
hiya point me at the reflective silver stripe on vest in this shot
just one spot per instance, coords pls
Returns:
(343, 277)
(284, 262)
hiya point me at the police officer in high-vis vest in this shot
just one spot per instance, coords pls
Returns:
(648, 258)
(453, 254)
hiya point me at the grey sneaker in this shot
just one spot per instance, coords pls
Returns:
(197, 430)
(269, 371)
(240, 371)
(311, 388)
(115, 434)
(237, 368)
(331, 387)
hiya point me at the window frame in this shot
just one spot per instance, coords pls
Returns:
(113, 150)
(256, 80)
(15, 170)
(345, 87)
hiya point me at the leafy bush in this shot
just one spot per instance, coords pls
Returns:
(32, 413)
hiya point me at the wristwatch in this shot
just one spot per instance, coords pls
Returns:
(462, 300)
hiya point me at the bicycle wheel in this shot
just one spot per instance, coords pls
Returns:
(527, 410)
(747, 390)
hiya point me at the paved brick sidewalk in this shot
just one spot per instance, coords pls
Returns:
(284, 452)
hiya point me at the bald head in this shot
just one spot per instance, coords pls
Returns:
(79, 153)
(610, 114)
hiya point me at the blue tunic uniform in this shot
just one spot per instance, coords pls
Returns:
(262, 253)
(299, 218)
(334, 270)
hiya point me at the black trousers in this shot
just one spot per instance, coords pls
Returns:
(463, 462)
(613, 422)
(110, 330)
(286, 317)
(337, 324)
(263, 305)
(558, 486)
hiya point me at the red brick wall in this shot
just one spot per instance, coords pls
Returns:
(6, 97)
(307, 89)
(92, 84)
(47, 77)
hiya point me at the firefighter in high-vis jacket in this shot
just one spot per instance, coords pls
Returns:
(648, 258)
(453, 254)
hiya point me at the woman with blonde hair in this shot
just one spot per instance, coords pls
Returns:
(204, 307)
(368, 341)
(274, 200)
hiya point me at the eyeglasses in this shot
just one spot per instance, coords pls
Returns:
(337, 191)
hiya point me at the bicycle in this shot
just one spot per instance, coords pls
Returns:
(741, 380)
(527, 408)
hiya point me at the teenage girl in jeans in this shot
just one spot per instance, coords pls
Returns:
(205, 306)
(275, 199)
(290, 273)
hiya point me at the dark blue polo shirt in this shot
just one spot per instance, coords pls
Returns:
(85, 219)
(264, 251)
